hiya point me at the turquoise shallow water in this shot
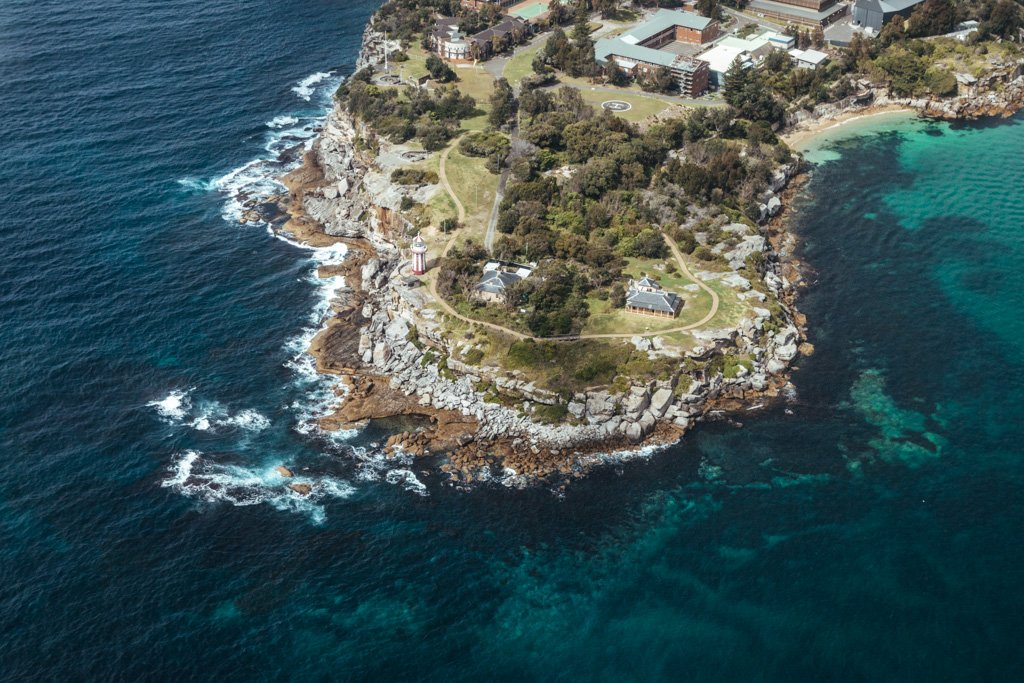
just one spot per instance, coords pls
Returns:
(152, 378)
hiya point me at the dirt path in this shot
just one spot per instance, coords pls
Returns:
(715, 302)
(459, 208)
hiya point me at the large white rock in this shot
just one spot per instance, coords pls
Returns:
(636, 403)
(751, 244)
(660, 401)
(398, 330)
(786, 353)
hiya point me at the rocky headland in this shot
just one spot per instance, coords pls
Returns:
(387, 339)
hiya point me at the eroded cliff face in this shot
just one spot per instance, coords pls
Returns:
(392, 347)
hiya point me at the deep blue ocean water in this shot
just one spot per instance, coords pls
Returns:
(871, 530)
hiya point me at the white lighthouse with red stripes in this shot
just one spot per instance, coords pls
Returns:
(419, 256)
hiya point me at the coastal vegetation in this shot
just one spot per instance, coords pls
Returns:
(431, 117)
(591, 198)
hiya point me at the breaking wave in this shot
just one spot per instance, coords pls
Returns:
(178, 408)
(195, 475)
(307, 86)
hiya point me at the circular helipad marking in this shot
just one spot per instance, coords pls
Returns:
(616, 105)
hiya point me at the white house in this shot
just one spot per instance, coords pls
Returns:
(808, 59)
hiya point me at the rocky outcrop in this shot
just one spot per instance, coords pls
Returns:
(998, 94)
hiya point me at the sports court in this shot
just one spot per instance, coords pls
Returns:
(529, 10)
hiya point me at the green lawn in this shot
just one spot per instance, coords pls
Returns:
(473, 80)
(521, 65)
(604, 319)
(643, 106)
(475, 187)
(440, 205)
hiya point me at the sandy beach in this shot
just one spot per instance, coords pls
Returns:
(800, 137)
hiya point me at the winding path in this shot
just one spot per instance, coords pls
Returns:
(715, 302)
(459, 208)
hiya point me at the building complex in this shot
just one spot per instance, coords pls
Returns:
(803, 12)
(646, 297)
(449, 42)
(873, 14)
(648, 48)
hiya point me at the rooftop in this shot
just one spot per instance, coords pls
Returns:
(809, 56)
(646, 294)
(721, 57)
(662, 20)
(794, 11)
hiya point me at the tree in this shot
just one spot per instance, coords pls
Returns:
(932, 18)
(818, 37)
(615, 75)
(659, 81)
(439, 71)
(709, 8)
(1003, 21)
(503, 105)
(736, 80)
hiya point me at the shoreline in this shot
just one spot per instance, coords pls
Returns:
(383, 335)
(800, 137)
(365, 342)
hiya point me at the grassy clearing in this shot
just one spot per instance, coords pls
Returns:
(605, 319)
(643, 106)
(475, 187)
(440, 205)
(959, 57)
(521, 65)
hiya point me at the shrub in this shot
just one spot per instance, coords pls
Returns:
(704, 254)
(413, 176)
(484, 144)
(551, 414)
(474, 356)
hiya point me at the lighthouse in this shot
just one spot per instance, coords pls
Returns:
(419, 256)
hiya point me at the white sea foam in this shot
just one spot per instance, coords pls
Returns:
(174, 407)
(282, 121)
(206, 416)
(407, 479)
(307, 86)
(197, 476)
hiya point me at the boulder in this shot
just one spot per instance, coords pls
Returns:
(600, 405)
(636, 402)
(381, 353)
(397, 330)
(660, 402)
(301, 489)
(641, 343)
(786, 353)
(284, 471)
(634, 432)
(737, 256)
(774, 206)
(369, 269)
(736, 280)
(365, 342)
